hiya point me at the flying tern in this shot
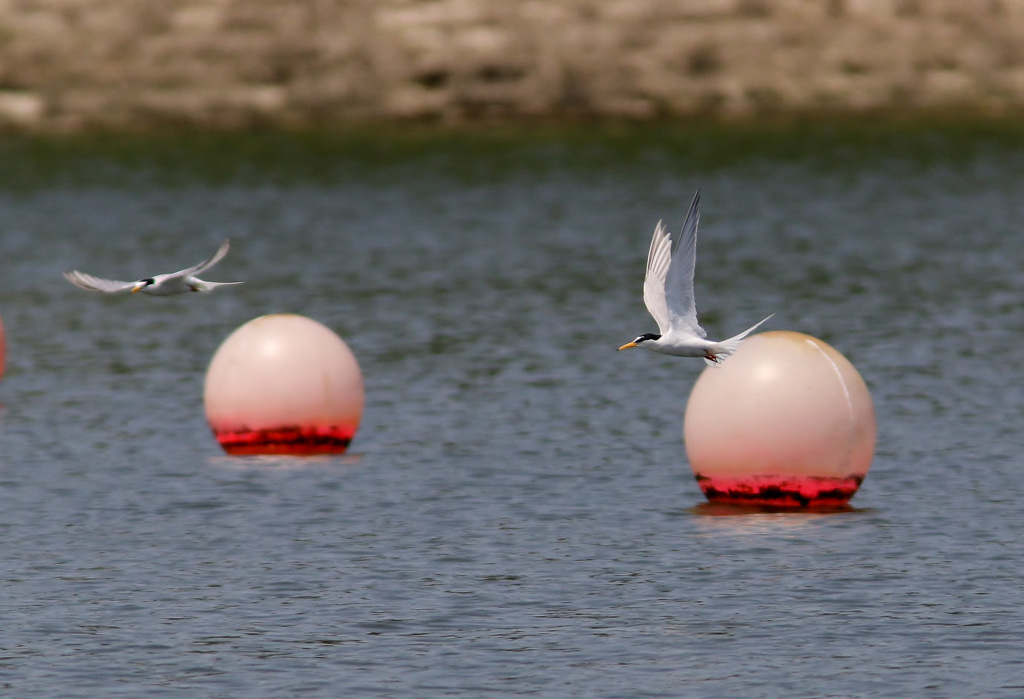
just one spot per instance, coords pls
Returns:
(668, 294)
(158, 285)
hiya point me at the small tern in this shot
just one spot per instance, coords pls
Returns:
(668, 294)
(158, 285)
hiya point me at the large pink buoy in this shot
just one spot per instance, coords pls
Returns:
(284, 384)
(785, 422)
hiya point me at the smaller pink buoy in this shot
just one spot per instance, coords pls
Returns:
(785, 422)
(284, 384)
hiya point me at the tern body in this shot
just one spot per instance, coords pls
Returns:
(179, 282)
(668, 295)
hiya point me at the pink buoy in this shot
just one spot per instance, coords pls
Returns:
(284, 384)
(785, 422)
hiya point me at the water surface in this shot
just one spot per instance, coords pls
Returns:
(516, 515)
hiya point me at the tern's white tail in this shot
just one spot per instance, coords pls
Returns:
(726, 348)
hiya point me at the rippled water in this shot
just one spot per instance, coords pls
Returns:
(516, 516)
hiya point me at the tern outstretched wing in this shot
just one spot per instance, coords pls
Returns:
(668, 286)
(205, 264)
(659, 257)
(91, 283)
(682, 308)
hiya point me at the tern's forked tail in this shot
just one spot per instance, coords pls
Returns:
(727, 348)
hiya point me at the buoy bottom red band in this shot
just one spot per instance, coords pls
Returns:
(287, 440)
(780, 491)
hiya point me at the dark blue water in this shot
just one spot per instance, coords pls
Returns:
(516, 516)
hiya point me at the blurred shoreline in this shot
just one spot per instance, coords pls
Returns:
(476, 152)
(107, 64)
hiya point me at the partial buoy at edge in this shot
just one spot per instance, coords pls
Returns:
(3, 348)
(284, 384)
(786, 422)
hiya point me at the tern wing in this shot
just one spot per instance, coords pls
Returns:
(205, 264)
(91, 283)
(679, 299)
(659, 257)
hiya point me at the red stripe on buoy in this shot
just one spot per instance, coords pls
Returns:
(287, 440)
(790, 491)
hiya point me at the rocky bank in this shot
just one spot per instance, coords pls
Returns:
(72, 64)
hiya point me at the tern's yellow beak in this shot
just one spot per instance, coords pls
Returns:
(137, 287)
(627, 346)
